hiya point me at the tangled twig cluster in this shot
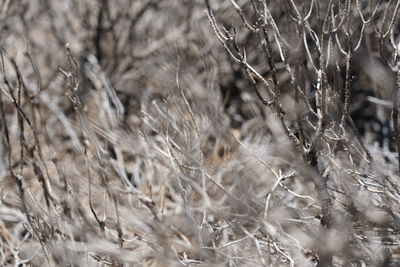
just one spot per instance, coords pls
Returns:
(211, 133)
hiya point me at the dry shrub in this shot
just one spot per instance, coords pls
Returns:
(215, 133)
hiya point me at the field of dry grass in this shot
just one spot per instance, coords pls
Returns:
(199, 133)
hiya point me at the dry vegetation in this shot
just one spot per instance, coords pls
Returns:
(199, 133)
